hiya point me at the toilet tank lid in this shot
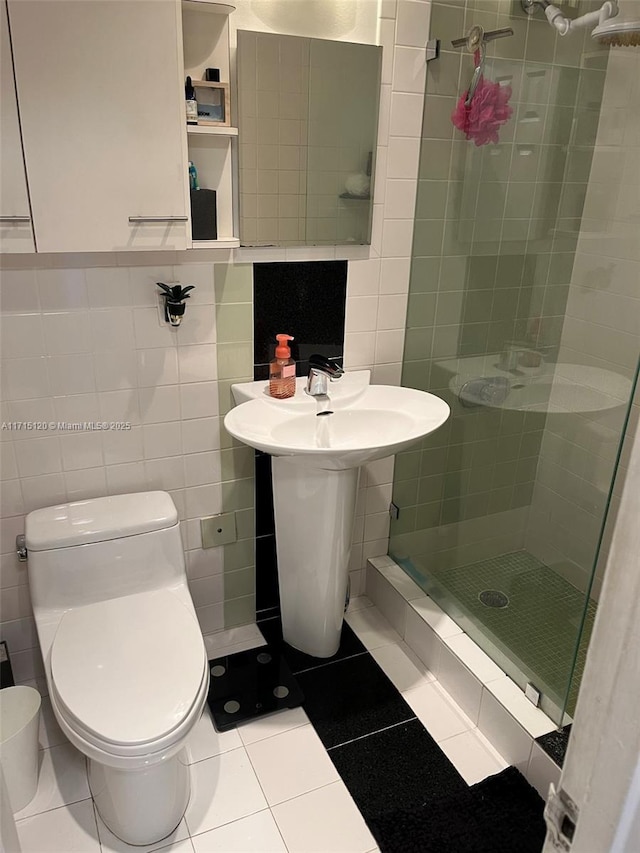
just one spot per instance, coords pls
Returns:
(98, 520)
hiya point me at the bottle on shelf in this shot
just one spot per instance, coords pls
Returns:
(192, 104)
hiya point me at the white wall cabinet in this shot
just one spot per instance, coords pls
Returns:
(16, 233)
(101, 100)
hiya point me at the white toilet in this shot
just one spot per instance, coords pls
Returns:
(124, 656)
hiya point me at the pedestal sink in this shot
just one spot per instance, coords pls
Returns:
(318, 447)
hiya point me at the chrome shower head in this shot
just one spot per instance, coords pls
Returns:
(611, 27)
(617, 32)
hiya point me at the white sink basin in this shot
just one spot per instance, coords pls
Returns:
(315, 484)
(554, 388)
(367, 422)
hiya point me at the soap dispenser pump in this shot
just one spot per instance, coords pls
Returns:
(282, 370)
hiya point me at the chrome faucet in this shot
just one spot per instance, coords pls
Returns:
(510, 356)
(321, 371)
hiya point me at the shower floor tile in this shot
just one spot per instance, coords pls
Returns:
(540, 624)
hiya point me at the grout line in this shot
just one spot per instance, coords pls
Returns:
(53, 808)
(94, 809)
(369, 734)
(331, 662)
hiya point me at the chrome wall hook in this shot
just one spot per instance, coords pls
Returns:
(477, 34)
(476, 41)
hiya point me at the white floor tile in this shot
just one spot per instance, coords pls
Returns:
(64, 830)
(273, 724)
(223, 789)
(205, 742)
(470, 756)
(372, 628)
(111, 844)
(50, 733)
(255, 834)
(62, 780)
(437, 713)
(359, 602)
(291, 764)
(403, 667)
(184, 846)
(323, 821)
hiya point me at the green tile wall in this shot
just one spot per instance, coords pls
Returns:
(494, 241)
(234, 328)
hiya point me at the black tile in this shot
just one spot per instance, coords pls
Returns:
(267, 590)
(555, 744)
(299, 661)
(267, 613)
(260, 372)
(397, 768)
(306, 300)
(265, 523)
(351, 698)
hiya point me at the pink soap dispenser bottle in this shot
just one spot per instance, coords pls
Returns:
(282, 370)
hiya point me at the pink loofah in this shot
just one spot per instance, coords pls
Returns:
(488, 110)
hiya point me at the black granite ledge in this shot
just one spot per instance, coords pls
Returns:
(555, 744)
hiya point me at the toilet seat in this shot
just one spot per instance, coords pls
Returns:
(127, 672)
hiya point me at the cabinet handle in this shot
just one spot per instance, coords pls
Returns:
(15, 219)
(134, 220)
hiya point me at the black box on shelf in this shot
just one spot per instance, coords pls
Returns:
(6, 673)
(204, 217)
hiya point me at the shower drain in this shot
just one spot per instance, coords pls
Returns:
(493, 598)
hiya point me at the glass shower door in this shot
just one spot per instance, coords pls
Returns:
(501, 510)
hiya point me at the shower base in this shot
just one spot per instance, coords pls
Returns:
(540, 625)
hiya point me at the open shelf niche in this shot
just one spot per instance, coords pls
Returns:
(205, 34)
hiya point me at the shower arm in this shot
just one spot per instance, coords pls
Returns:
(564, 25)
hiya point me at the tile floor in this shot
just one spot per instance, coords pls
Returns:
(275, 785)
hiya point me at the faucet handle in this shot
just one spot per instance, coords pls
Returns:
(331, 368)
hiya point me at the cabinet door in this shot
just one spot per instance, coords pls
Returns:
(16, 234)
(102, 110)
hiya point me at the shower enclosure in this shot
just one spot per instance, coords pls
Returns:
(524, 315)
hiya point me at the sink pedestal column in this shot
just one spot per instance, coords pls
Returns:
(314, 514)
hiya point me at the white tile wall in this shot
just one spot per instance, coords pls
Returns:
(92, 349)
(82, 340)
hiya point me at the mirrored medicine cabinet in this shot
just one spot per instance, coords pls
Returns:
(308, 117)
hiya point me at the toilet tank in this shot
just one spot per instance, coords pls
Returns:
(94, 550)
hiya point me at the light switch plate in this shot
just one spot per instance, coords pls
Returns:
(218, 530)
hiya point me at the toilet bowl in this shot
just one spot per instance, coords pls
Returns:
(124, 656)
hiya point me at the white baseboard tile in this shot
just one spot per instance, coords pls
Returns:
(423, 641)
(504, 733)
(462, 684)
(542, 771)
(388, 600)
